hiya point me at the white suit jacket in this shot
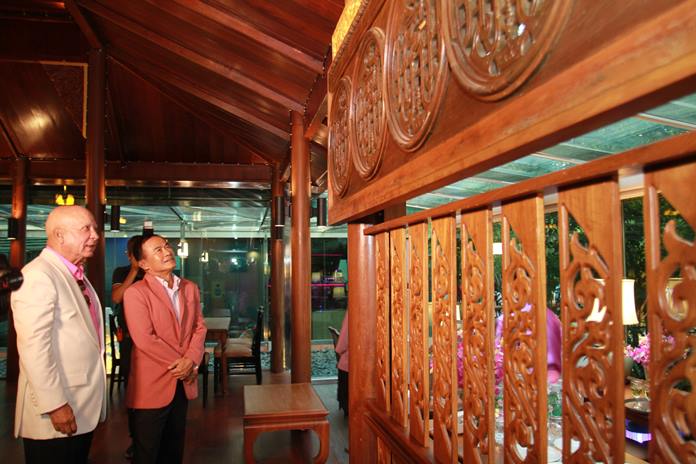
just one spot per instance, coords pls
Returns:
(61, 357)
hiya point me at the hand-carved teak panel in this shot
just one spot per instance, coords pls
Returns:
(416, 71)
(368, 117)
(524, 331)
(399, 381)
(478, 324)
(493, 46)
(382, 335)
(593, 408)
(444, 273)
(671, 313)
(339, 139)
(418, 329)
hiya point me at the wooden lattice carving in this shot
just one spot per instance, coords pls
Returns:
(444, 270)
(418, 347)
(339, 139)
(477, 325)
(493, 46)
(382, 335)
(524, 332)
(416, 71)
(368, 116)
(672, 317)
(399, 380)
(593, 331)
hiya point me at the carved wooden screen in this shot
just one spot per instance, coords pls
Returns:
(671, 314)
(524, 331)
(418, 330)
(444, 274)
(478, 323)
(382, 335)
(398, 327)
(593, 408)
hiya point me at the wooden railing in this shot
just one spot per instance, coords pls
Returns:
(414, 414)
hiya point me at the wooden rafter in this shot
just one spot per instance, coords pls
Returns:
(148, 69)
(211, 120)
(243, 28)
(83, 24)
(191, 55)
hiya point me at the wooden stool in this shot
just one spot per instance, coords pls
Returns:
(274, 407)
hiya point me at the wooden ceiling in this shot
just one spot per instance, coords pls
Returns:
(189, 82)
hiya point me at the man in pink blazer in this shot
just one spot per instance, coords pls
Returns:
(164, 317)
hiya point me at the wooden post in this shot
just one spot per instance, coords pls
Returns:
(362, 325)
(301, 255)
(277, 283)
(95, 187)
(20, 176)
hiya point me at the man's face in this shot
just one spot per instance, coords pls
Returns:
(80, 236)
(158, 256)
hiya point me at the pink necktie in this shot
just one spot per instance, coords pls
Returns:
(92, 308)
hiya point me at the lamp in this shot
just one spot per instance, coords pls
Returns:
(115, 217)
(12, 228)
(279, 209)
(148, 230)
(64, 199)
(628, 302)
(322, 220)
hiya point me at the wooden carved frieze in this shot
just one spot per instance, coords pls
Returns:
(671, 316)
(418, 329)
(382, 335)
(339, 139)
(592, 325)
(368, 116)
(416, 71)
(444, 269)
(493, 46)
(477, 326)
(399, 378)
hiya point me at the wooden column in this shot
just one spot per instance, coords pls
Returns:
(95, 187)
(301, 255)
(20, 176)
(362, 326)
(277, 278)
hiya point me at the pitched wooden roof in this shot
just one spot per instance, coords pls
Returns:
(190, 82)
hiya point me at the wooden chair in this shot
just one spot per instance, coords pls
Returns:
(116, 374)
(243, 354)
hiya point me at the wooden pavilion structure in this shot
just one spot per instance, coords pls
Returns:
(173, 94)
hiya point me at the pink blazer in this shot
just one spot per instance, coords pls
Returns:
(159, 340)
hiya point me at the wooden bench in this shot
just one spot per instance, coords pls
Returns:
(284, 407)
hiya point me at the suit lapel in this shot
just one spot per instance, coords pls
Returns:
(70, 284)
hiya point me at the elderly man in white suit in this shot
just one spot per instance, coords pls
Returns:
(61, 394)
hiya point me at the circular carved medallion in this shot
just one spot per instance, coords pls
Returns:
(493, 46)
(339, 146)
(416, 71)
(368, 118)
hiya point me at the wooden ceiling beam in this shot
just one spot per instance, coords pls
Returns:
(316, 108)
(237, 25)
(83, 24)
(201, 94)
(211, 120)
(191, 55)
(139, 172)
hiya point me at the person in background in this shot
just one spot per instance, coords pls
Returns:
(122, 278)
(342, 350)
(61, 391)
(166, 324)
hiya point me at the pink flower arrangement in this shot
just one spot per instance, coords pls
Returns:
(641, 353)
